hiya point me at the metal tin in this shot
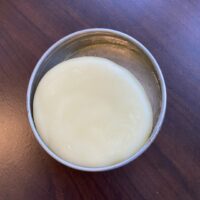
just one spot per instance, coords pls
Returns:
(122, 49)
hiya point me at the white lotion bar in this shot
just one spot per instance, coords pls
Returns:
(92, 112)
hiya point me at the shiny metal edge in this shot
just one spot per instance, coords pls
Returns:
(156, 128)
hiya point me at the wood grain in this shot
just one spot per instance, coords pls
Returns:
(170, 169)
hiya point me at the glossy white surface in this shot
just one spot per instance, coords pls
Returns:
(92, 112)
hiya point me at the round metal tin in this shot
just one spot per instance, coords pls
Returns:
(122, 49)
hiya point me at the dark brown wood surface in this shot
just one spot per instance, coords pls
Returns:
(170, 169)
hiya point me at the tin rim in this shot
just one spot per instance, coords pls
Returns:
(156, 128)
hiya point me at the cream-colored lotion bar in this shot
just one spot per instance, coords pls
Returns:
(92, 112)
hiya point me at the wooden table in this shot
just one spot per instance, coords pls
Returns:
(170, 169)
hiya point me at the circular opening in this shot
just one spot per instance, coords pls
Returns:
(115, 46)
